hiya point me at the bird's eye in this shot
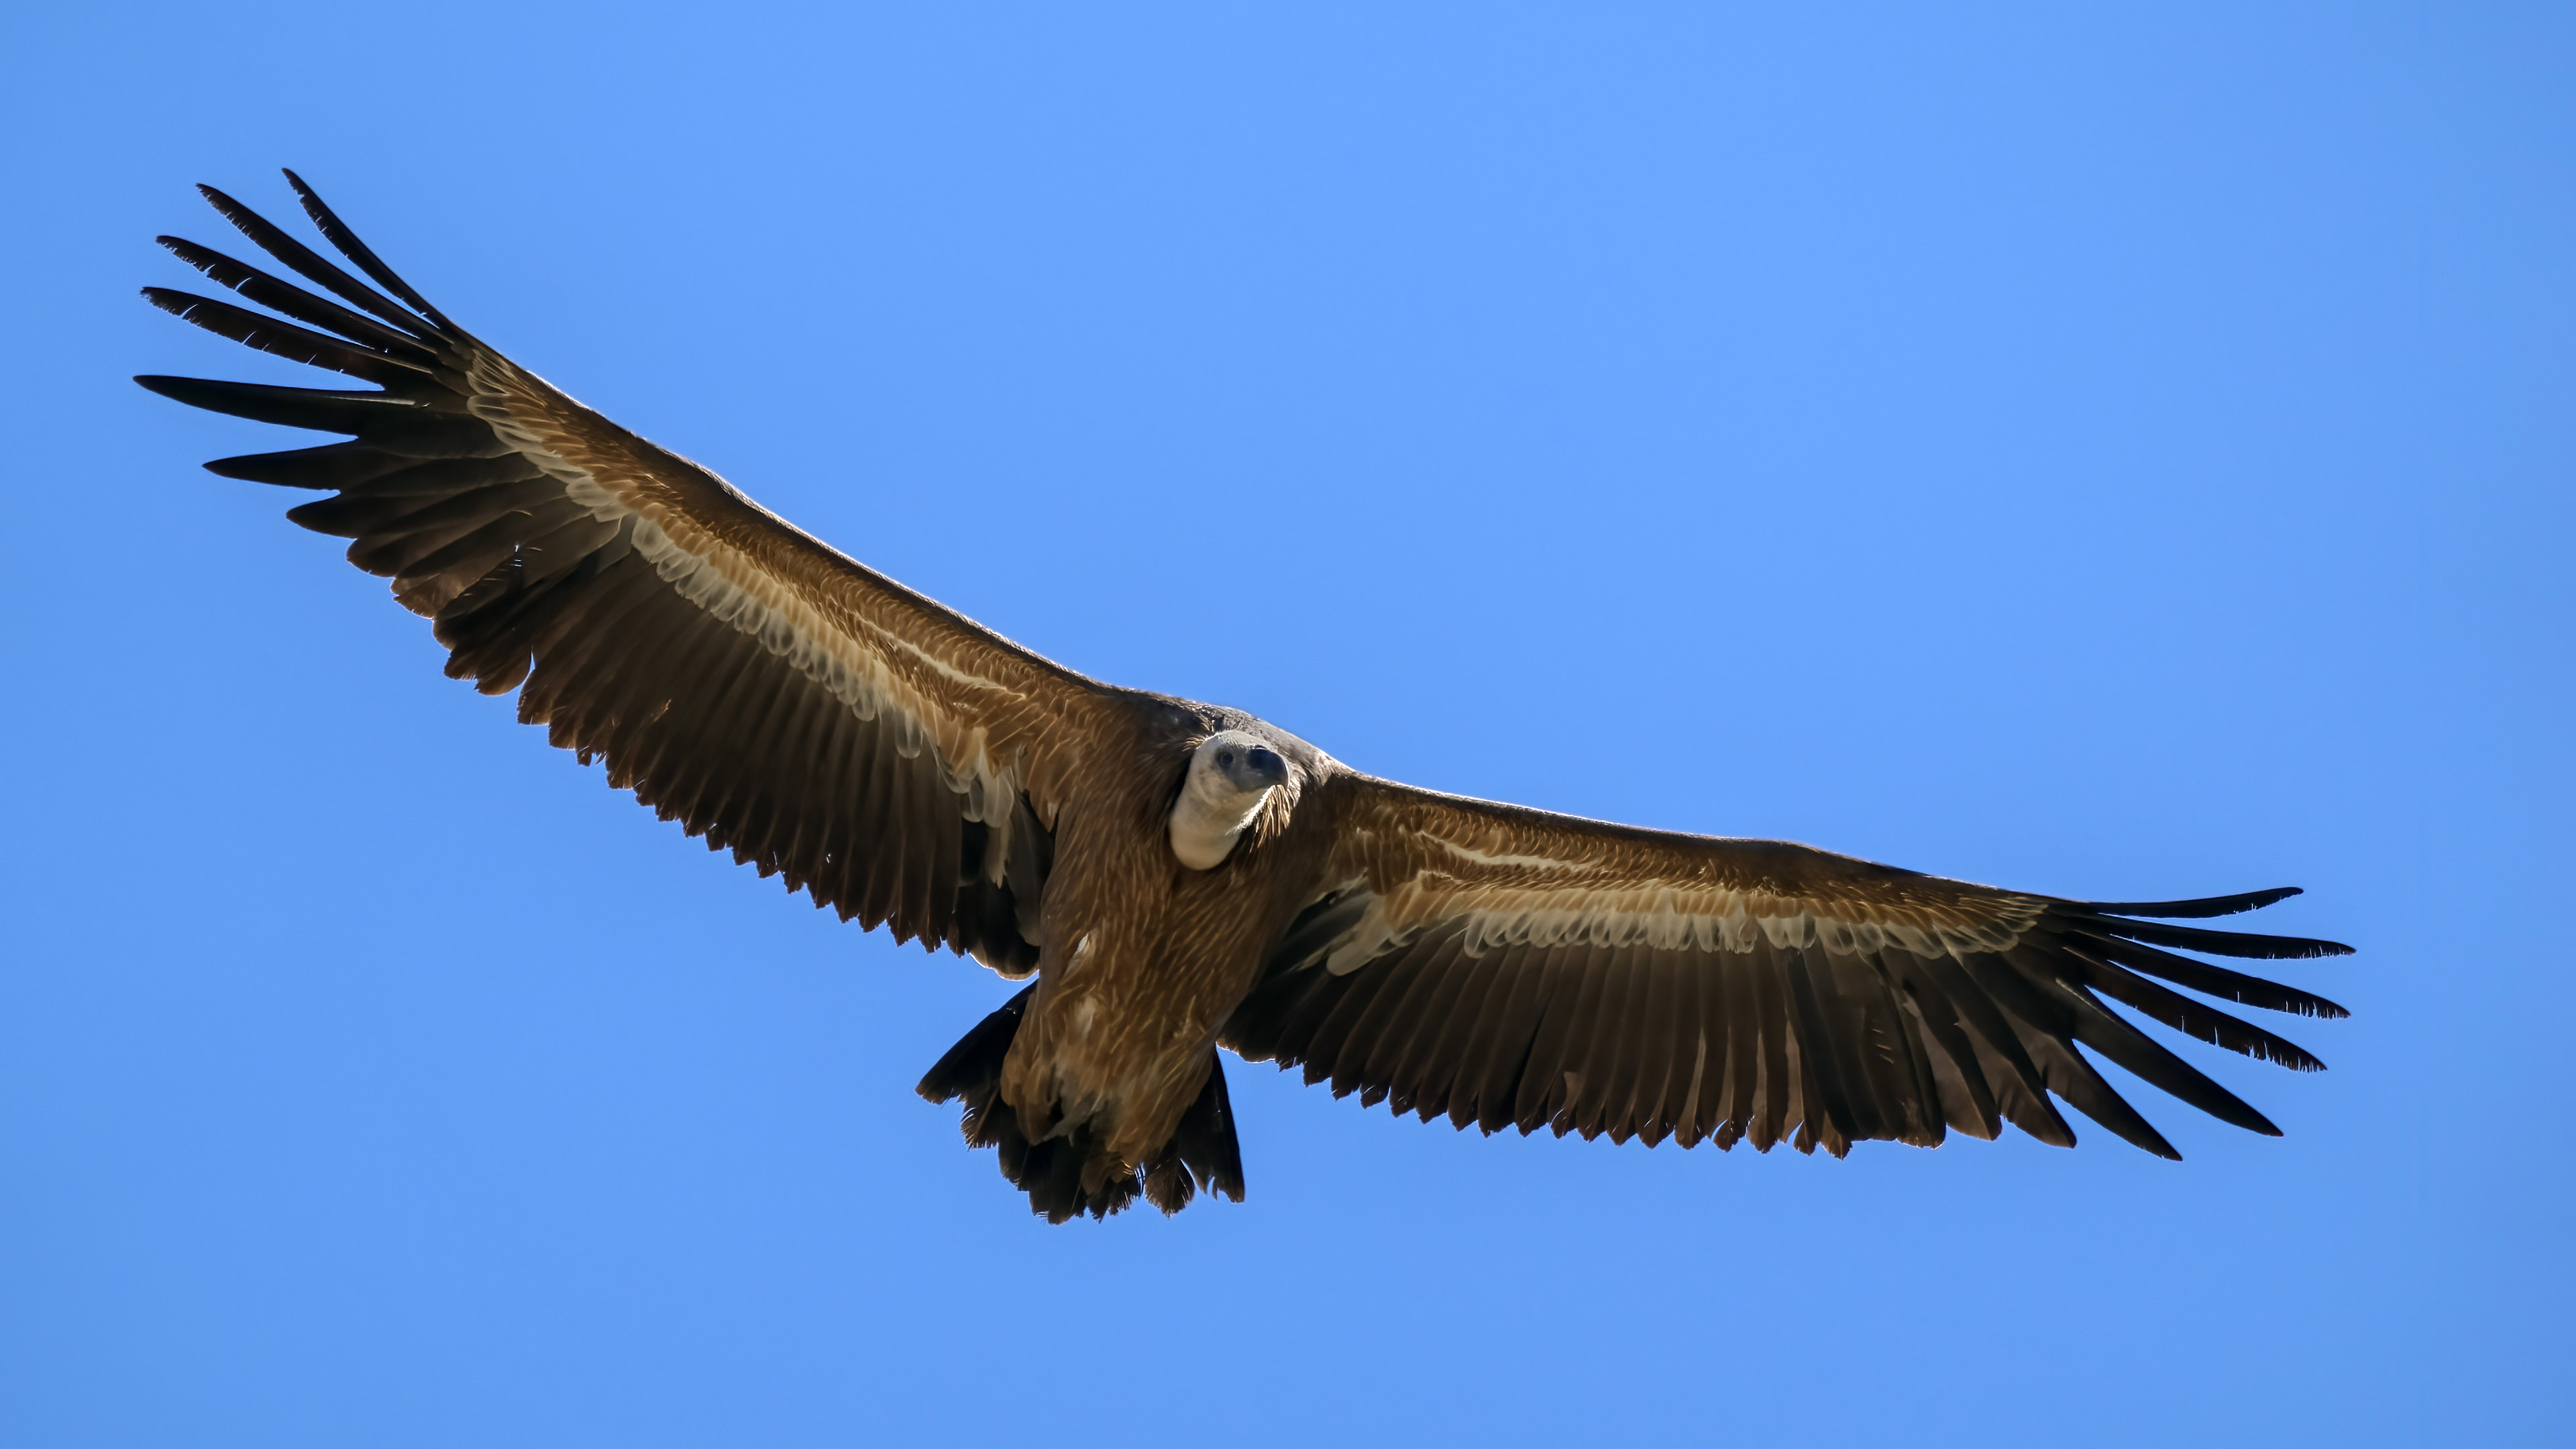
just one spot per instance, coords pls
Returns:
(1226, 760)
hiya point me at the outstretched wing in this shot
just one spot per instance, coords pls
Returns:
(1514, 968)
(893, 759)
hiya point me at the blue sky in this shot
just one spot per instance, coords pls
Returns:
(2113, 451)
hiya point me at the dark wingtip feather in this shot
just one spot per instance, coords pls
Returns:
(357, 251)
(2166, 1150)
(262, 333)
(257, 286)
(2199, 909)
(2244, 944)
(257, 468)
(321, 409)
(2208, 979)
(306, 262)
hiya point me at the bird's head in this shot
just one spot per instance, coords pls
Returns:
(1231, 776)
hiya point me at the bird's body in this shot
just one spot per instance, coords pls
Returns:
(1179, 877)
(1143, 958)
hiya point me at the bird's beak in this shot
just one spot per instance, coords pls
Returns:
(1267, 770)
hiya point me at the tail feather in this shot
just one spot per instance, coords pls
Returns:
(1203, 1151)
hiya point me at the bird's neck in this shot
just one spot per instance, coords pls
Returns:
(1206, 824)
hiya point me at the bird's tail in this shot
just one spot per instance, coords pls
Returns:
(1202, 1151)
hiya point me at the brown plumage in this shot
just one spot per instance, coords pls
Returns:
(1179, 876)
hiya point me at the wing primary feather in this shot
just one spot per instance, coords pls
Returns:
(2216, 943)
(418, 536)
(308, 263)
(564, 547)
(295, 302)
(355, 513)
(340, 465)
(1979, 1013)
(2027, 1107)
(323, 410)
(440, 478)
(1941, 1020)
(2005, 1002)
(402, 517)
(439, 537)
(431, 582)
(283, 339)
(357, 251)
(2204, 907)
(2073, 1079)
(2211, 980)
(2190, 1017)
(2098, 1027)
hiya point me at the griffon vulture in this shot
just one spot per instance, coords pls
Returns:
(1177, 876)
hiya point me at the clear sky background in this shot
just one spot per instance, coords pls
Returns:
(2114, 451)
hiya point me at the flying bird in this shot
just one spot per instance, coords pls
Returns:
(1178, 877)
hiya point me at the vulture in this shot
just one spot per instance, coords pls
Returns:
(1173, 877)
